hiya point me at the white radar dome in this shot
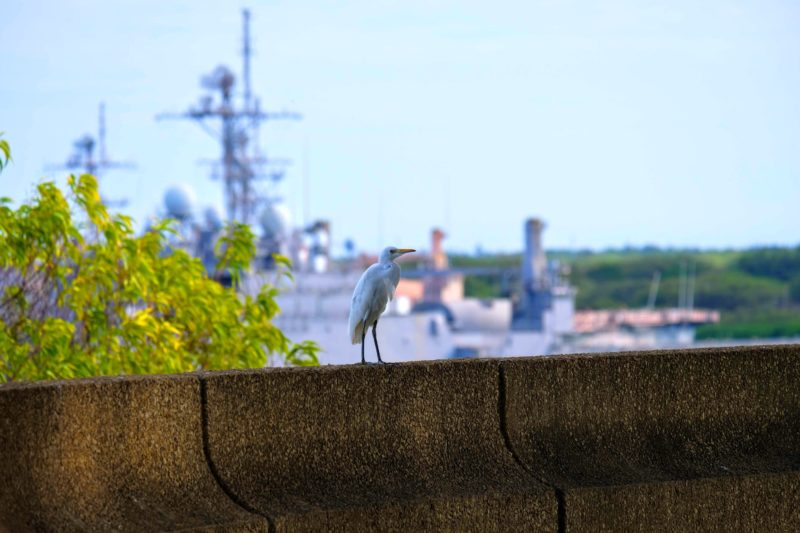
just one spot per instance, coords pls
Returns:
(276, 219)
(179, 201)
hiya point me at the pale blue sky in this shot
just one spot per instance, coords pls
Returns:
(622, 122)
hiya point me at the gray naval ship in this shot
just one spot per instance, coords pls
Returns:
(430, 316)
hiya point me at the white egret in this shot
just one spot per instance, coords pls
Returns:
(374, 290)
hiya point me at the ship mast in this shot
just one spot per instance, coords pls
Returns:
(241, 162)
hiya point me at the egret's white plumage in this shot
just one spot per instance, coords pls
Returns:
(374, 290)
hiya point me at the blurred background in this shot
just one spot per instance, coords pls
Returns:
(577, 176)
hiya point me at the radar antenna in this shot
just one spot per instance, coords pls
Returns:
(83, 157)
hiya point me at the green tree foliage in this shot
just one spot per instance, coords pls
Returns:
(794, 289)
(482, 287)
(618, 280)
(5, 152)
(730, 291)
(82, 295)
(490, 285)
(778, 263)
(753, 324)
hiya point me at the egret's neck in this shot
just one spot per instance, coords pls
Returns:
(386, 259)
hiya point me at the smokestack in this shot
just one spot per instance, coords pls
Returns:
(438, 257)
(320, 247)
(534, 262)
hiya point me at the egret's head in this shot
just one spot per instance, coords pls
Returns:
(390, 253)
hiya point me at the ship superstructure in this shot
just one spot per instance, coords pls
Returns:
(429, 318)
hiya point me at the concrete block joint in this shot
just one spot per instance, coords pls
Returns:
(665, 440)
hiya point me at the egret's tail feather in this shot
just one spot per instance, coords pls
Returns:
(356, 339)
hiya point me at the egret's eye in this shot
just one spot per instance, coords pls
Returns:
(393, 250)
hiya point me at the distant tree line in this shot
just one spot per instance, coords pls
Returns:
(757, 290)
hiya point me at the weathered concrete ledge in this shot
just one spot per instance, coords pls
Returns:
(412, 446)
(668, 440)
(673, 440)
(112, 453)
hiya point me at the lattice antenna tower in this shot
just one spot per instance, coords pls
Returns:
(83, 157)
(236, 130)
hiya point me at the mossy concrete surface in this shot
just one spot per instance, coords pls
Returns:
(666, 440)
(109, 454)
(411, 446)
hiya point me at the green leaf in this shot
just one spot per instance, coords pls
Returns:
(6, 150)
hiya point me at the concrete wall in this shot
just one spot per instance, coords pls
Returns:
(683, 440)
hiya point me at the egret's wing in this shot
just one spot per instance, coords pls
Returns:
(388, 288)
(392, 279)
(382, 290)
(360, 304)
(372, 293)
(356, 320)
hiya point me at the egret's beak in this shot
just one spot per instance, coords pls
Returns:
(402, 251)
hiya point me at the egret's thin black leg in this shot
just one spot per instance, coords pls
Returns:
(375, 336)
(363, 336)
